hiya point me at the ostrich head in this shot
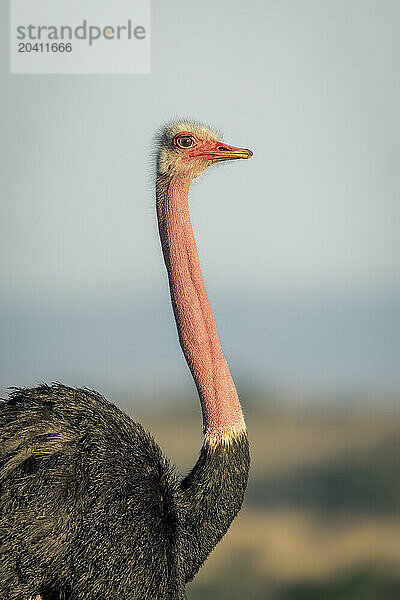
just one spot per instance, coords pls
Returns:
(185, 149)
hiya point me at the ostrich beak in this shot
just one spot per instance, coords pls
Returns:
(217, 151)
(225, 152)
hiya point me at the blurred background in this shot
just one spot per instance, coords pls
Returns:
(300, 249)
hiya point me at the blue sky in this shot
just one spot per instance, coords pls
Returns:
(313, 220)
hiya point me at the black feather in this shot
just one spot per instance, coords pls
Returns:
(90, 506)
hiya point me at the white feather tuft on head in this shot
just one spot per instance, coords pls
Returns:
(168, 157)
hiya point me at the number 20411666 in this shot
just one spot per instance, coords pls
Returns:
(47, 47)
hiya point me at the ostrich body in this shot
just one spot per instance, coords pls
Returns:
(89, 506)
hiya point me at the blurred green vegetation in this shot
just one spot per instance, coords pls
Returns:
(321, 518)
(358, 585)
(361, 483)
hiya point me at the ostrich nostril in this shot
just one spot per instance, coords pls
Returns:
(223, 149)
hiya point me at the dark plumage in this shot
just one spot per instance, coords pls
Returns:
(89, 505)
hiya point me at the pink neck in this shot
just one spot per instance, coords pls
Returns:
(222, 414)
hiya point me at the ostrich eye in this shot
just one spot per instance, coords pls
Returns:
(185, 141)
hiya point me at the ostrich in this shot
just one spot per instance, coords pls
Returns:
(90, 507)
